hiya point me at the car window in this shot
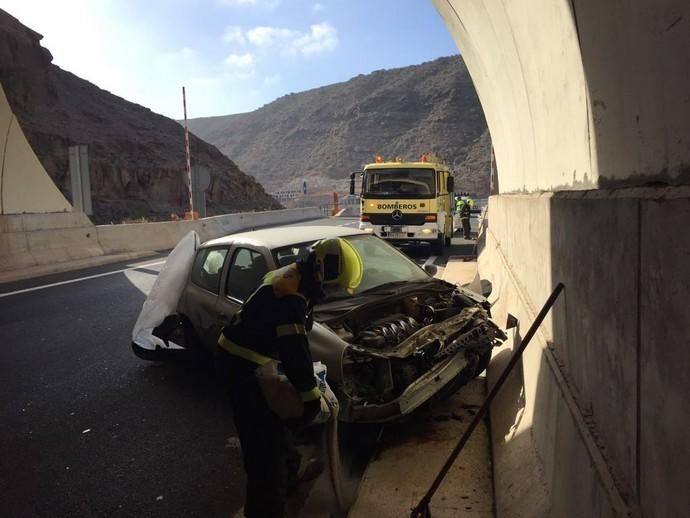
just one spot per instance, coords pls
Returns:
(208, 266)
(291, 254)
(382, 263)
(247, 270)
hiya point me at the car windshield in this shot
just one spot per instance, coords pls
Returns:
(400, 182)
(383, 264)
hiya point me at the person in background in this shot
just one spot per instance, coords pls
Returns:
(463, 207)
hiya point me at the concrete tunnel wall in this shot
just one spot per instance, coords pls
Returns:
(588, 105)
(25, 186)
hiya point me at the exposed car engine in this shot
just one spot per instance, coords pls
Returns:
(395, 343)
(388, 331)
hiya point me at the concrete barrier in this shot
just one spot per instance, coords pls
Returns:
(38, 239)
(139, 237)
(597, 414)
(56, 239)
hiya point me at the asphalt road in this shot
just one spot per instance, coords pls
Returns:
(88, 429)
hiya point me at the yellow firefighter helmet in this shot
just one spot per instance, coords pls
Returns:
(338, 262)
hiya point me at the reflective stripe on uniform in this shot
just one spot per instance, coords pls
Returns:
(290, 329)
(242, 352)
(311, 395)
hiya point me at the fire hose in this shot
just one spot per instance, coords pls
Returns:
(331, 447)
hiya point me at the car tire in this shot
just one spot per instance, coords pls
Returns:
(483, 363)
(156, 355)
(183, 335)
(469, 373)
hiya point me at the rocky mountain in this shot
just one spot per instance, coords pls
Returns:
(321, 135)
(136, 157)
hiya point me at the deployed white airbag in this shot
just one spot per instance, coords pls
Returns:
(165, 294)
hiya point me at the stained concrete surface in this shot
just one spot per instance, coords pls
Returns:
(597, 344)
(532, 420)
(603, 383)
(664, 340)
(411, 454)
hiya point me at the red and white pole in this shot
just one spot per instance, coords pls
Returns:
(187, 155)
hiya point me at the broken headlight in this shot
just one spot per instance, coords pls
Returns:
(367, 377)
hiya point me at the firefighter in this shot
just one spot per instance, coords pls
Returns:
(272, 324)
(463, 207)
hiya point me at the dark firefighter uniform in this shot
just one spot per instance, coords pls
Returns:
(271, 324)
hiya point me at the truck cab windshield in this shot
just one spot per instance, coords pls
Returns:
(400, 183)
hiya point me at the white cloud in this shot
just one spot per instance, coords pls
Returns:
(317, 7)
(265, 36)
(245, 60)
(321, 37)
(233, 34)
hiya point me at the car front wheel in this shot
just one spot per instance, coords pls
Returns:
(178, 330)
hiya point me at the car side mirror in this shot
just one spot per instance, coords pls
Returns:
(431, 269)
(485, 288)
(451, 184)
(511, 322)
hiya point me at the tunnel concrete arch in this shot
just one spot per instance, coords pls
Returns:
(581, 94)
(588, 106)
(25, 186)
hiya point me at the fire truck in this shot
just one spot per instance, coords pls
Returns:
(407, 202)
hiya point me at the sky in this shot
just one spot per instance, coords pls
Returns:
(232, 56)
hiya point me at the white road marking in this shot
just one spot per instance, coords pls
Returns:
(72, 281)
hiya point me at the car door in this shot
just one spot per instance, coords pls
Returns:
(203, 290)
(244, 274)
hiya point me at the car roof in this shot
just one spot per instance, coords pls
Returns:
(277, 237)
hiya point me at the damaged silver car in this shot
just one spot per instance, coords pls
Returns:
(402, 338)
